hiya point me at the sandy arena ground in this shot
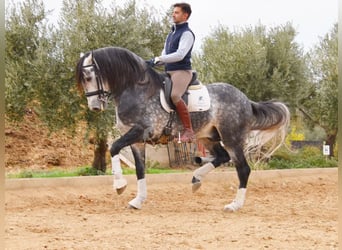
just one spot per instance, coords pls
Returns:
(294, 211)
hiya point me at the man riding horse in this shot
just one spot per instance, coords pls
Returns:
(176, 56)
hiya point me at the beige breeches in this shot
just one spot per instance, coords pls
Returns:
(181, 80)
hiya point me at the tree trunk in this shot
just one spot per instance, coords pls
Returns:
(99, 162)
(331, 140)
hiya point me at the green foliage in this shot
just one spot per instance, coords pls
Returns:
(268, 64)
(308, 157)
(24, 26)
(129, 171)
(320, 107)
(84, 171)
(25, 174)
(41, 60)
(287, 71)
(87, 25)
(237, 58)
(137, 29)
(55, 173)
(89, 171)
(264, 65)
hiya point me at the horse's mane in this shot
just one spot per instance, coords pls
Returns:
(122, 69)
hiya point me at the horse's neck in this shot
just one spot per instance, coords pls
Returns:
(149, 87)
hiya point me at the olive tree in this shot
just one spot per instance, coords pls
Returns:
(263, 64)
(321, 106)
(41, 60)
(86, 25)
(25, 27)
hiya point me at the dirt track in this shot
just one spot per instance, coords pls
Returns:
(284, 212)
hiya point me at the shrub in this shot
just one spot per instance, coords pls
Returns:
(307, 157)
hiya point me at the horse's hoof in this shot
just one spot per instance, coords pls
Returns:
(232, 207)
(135, 203)
(196, 184)
(229, 208)
(121, 190)
(120, 185)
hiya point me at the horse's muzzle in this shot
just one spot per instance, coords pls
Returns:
(96, 109)
(95, 104)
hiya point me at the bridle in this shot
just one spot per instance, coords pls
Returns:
(102, 94)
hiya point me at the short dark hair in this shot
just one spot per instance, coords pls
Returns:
(185, 7)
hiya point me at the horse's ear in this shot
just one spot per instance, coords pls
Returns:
(86, 58)
(91, 56)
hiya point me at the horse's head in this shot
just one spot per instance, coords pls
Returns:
(109, 72)
(88, 76)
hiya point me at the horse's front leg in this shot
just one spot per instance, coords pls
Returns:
(119, 182)
(132, 136)
(138, 151)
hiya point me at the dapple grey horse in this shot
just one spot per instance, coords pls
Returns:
(226, 128)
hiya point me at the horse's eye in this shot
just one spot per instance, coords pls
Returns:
(87, 75)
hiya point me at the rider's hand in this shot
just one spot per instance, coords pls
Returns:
(157, 61)
(154, 62)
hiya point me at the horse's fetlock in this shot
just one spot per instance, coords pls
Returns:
(113, 151)
(195, 180)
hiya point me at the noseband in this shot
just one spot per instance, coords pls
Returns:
(100, 92)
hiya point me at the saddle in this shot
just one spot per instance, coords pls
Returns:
(196, 97)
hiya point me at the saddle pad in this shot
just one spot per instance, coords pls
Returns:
(198, 99)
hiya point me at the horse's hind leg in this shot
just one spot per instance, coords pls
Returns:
(243, 171)
(220, 156)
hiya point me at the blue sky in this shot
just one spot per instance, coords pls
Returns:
(311, 18)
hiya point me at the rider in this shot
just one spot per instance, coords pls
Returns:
(176, 56)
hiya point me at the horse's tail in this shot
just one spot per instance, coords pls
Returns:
(270, 126)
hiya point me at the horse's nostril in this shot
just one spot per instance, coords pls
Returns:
(96, 109)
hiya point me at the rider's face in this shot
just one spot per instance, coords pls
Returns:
(179, 16)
